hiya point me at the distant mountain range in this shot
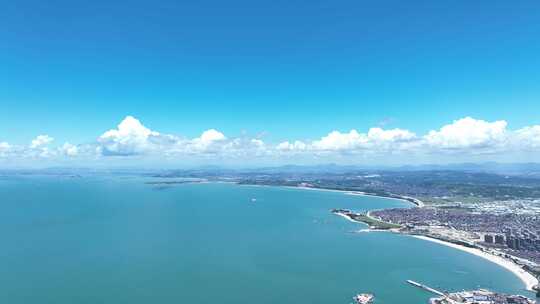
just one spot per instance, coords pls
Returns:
(522, 169)
(490, 167)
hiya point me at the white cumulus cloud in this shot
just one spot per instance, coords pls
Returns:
(4, 148)
(243, 147)
(375, 138)
(41, 141)
(458, 140)
(340, 141)
(528, 137)
(295, 146)
(129, 138)
(69, 149)
(393, 135)
(211, 135)
(468, 133)
(210, 141)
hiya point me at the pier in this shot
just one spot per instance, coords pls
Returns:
(427, 288)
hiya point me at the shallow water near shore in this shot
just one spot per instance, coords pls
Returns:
(119, 240)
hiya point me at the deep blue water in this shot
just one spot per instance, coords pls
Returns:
(119, 240)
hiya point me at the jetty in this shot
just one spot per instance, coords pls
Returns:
(427, 288)
(443, 296)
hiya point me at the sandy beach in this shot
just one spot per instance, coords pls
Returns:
(417, 202)
(528, 279)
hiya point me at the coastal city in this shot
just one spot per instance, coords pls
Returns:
(493, 214)
(511, 233)
(507, 246)
(277, 152)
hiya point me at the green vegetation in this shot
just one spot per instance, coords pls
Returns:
(374, 223)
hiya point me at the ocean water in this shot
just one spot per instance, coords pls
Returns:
(119, 240)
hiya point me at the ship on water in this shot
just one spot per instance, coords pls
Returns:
(363, 298)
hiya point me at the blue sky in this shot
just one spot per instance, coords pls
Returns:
(277, 70)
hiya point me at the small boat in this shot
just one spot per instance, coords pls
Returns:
(253, 200)
(363, 298)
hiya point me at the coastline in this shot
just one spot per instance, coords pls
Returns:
(349, 219)
(528, 279)
(411, 200)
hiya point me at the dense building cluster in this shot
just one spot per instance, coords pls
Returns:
(464, 219)
(522, 240)
(516, 234)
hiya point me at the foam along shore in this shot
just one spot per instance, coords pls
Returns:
(347, 218)
(528, 279)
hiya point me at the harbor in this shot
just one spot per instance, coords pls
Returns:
(482, 296)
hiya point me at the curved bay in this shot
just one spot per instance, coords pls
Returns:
(114, 240)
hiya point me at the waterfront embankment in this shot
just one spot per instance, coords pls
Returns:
(527, 278)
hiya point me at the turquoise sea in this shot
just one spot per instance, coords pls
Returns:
(119, 240)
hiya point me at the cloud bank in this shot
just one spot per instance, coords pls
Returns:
(462, 138)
